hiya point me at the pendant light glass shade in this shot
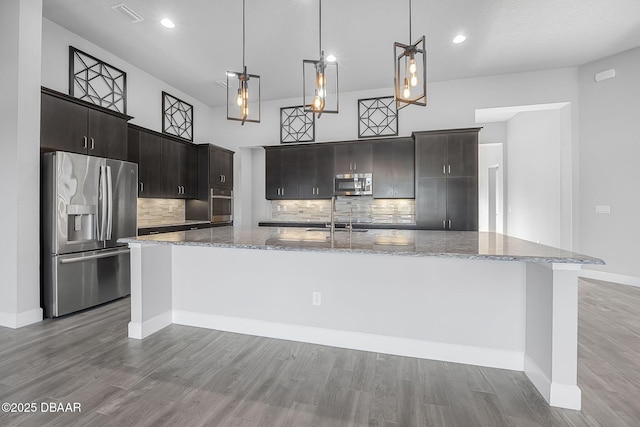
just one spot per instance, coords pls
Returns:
(243, 89)
(320, 80)
(410, 62)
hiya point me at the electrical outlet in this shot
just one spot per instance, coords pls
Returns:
(316, 298)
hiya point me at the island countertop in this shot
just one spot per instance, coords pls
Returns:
(420, 243)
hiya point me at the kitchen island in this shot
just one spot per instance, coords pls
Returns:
(468, 297)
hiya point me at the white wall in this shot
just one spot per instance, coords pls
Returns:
(144, 92)
(609, 159)
(19, 161)
(534, 174)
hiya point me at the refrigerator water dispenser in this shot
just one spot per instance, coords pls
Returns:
(81, 223)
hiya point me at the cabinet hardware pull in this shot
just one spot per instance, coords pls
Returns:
(93, 143)
(449, 224)
(355, 166)
(141, 187)
(85, 141)
(443, 169)
(221, 178)
(444, 224)
(283, 191)
(449, 169)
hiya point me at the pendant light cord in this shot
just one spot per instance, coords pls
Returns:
(243, 35)
(320, 27)
(409, 22)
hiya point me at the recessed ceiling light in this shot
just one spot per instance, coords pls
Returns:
(167, 23)
(331, 58)
(459, 39)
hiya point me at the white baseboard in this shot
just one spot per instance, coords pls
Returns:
(142, 330)
(480, 356)
(610, 277)
(18, 320)
(559, 395)
(538, 378)
(566, 396)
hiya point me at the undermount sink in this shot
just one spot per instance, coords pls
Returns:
(355, 230)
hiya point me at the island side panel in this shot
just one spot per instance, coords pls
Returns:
(151, 283)
(468, 311)
(552, 332)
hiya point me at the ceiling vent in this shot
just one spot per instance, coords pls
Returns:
(127, 12)
(222, 83)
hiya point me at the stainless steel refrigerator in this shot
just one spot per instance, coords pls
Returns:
(87, 204)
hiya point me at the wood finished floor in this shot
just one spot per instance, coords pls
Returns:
(188, 376)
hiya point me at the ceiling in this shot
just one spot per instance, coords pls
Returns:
(503, 36)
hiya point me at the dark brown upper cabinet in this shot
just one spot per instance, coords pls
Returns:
(393, 168)
(281, 181)
(167, 168)
(315, 172)
(220, 168)
(68, 124)
(353, 157)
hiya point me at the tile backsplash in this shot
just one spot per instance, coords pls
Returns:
(160, 211)
(362, 209)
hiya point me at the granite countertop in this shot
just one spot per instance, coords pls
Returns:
(443, 244)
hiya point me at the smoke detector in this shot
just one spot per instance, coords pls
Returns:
(127, 12)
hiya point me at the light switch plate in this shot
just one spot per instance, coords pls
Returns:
(603, 209)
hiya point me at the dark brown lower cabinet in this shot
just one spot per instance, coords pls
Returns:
(462, 204)
(431, 203)
(447, 204)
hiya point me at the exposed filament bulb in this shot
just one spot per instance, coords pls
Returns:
(406, 93)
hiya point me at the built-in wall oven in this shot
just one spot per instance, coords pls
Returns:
(358, 184)
(221, 205)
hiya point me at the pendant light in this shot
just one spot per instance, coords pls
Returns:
(243, 104)
(320, 79)
(410, 62)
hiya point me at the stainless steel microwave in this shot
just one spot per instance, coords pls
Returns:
(359, 184)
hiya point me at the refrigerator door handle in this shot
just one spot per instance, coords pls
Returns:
(109, 204)
(102, 203)
(96, 256)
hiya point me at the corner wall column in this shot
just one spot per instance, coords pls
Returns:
(20, 81)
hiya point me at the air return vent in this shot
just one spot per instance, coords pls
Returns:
(127, 12)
